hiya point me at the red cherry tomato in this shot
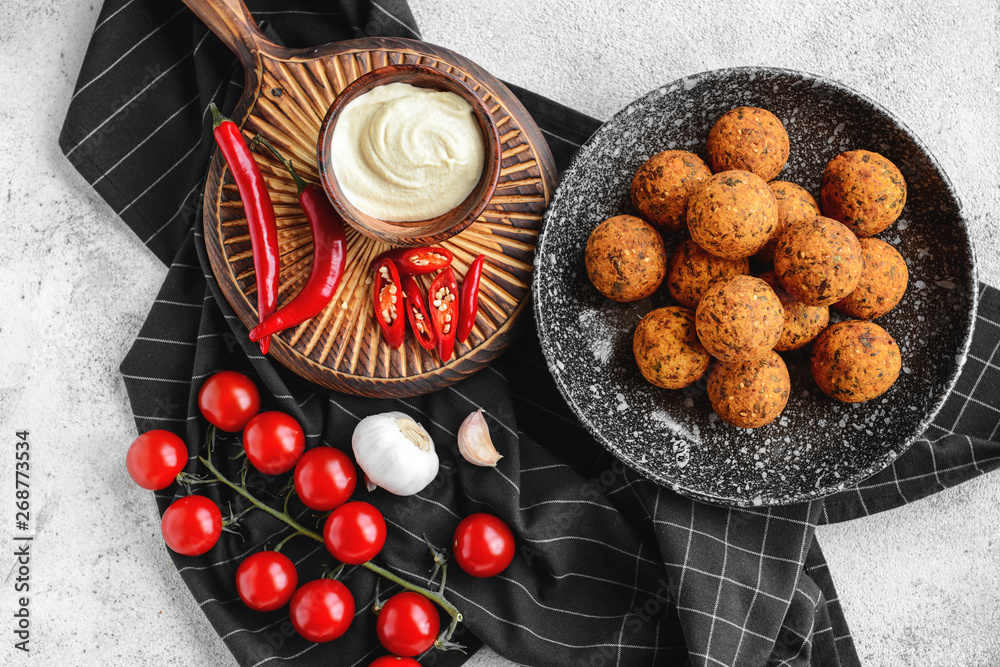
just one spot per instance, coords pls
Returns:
(273, 441)
(354, 533)
(393, 661)
(228, 400)
(408, 624)
(266, 580)
(325, 478)
(321, 610)
(191, 525)
(155, 458)
(483, 545)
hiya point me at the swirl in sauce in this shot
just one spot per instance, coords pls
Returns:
(404, 153)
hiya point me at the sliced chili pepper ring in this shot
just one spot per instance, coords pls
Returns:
(443, 297)
(387, 295)
(416, 312)
(418, 261)
(469, 299)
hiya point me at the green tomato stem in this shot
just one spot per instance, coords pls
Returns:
(452, 610)
(444, 643)
(281, 516)
(234, 519)
(437, 598)
(210, 439)
(444, 577)
(280, 544)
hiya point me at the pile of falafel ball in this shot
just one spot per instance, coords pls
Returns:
(822, 255)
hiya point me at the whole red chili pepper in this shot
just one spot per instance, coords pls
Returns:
(418, 261)
(387, 296)
(443, 296)
(259, 211)
(469, 299)
(329, 255)
(416, 312)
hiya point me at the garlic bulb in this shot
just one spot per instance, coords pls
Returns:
(395, 453)
(474, 441)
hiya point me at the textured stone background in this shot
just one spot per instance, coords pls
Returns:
(919, 584)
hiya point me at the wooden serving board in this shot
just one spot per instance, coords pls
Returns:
(286, 96)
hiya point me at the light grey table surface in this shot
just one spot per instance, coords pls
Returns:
(919, 585)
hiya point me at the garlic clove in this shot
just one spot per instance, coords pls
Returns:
(474, 441)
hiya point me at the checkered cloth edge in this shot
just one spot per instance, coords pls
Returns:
(611, 569)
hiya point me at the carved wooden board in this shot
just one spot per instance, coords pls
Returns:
(286, 96)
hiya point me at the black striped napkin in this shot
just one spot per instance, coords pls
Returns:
(611, 569)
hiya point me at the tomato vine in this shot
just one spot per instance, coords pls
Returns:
(437, 596)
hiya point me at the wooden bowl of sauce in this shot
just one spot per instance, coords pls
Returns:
(404, 232)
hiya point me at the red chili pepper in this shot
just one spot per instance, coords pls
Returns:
(329, 255)
(416, 312)
(387, 295)
(418, 261)
(444, 311)
(259, 211)
(469, 299)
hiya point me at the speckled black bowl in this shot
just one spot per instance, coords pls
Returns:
(818, 445)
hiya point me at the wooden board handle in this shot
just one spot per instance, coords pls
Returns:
(232, 23)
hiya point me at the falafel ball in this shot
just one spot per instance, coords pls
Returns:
(750, 394)
(748, 138)
(739, 319)
(667, 348)
(794, 204)
(625, 258)
(818, 261)
(692, 271)
(732, 214)
(883, 282)
(662, 186)
(855, 361)
(802, 323)
(863, 190)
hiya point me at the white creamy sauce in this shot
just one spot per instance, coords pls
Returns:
(405, 153)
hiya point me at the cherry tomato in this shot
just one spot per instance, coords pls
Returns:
(228, 400)
(273, 441)
(155, 458)
(322, 610)
(325, 478)
(408, 624)
(393, 661)
(354, 533)
(266, 580)
(191, 525)
(483, 545)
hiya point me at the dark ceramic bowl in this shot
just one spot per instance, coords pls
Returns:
(419, 232)
(817, 446)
